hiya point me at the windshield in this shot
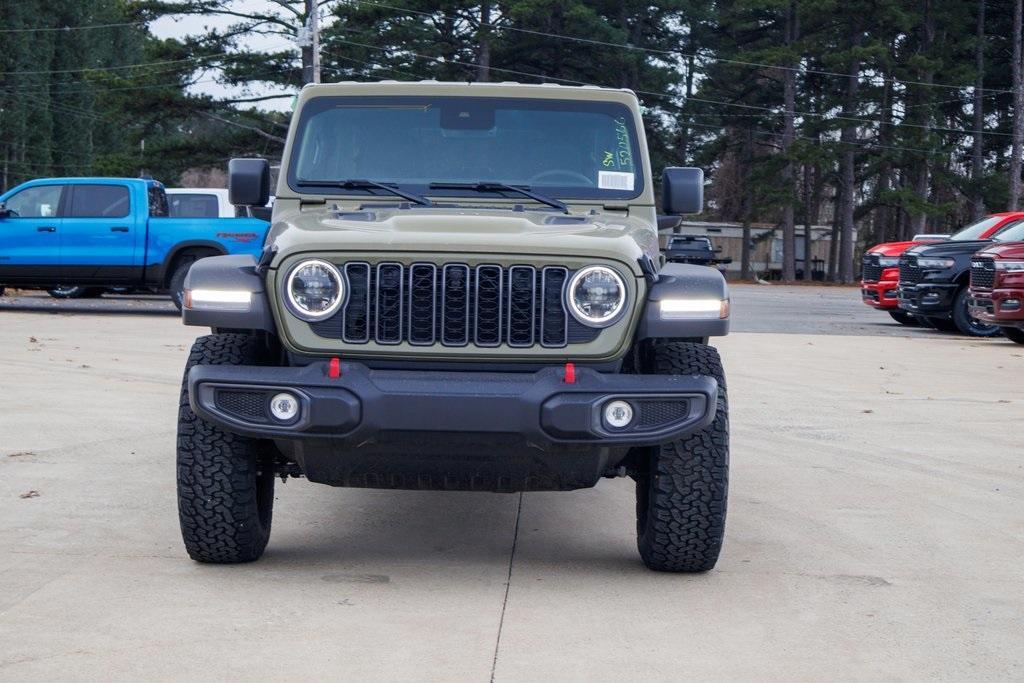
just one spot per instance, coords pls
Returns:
(976, 230)
(1014, 232)
(561, 148)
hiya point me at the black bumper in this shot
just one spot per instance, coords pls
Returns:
(541, 406)
(452, 430)
(933, 300)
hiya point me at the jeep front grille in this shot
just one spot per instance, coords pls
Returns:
(983, 273)
(455, 304)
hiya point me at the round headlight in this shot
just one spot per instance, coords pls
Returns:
(314, 290)
(596, 296)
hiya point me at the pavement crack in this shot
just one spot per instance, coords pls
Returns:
(508, 586)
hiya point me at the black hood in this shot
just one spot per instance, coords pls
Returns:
(951, 248)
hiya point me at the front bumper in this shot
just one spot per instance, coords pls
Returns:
(933, 300)
(452, 430)
(362, 403)
(881, 295)
(998, 307)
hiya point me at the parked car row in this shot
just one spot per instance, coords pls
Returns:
(971, 282)
(77, 237)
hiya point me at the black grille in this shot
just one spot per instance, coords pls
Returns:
(657, 413)
(983, 273)
(910, 273)
(455, 304)
(250, 405)
(872, 272)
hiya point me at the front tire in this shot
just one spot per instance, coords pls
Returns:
(1014, 334)
(965, 324)
(176, 285)
(75, 292)
(682, 486)
(903, 318)
(225, 481)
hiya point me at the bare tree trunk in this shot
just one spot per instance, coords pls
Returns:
(919, 221)
(847, 171)
(748, 206)
(1018, 109)
(978, 150)
(883, 213)
(483, 72)
(833, 246)
(788, 134)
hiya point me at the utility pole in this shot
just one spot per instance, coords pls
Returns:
(308, 40)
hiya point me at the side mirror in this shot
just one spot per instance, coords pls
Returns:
(682, 190)
(248, 182)
(4, 213)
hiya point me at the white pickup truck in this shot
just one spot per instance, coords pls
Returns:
(210, 202)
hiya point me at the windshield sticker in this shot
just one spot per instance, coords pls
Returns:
(614, 180)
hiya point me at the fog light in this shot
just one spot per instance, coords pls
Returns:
(284, 407)
(1010, 305)
(618, 414)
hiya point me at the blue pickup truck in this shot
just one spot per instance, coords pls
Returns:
(81, 236)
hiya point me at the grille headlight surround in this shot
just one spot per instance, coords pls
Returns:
(888, 261)
(314, 290)
(596, 296)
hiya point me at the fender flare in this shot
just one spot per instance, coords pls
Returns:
(688, 282)
(234, 273)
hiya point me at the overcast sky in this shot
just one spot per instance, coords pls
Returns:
(168, 27)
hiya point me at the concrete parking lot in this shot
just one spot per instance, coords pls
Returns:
(876, 526)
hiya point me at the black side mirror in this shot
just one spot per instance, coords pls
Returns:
(4, 213)
(682, 190)
(249, 182)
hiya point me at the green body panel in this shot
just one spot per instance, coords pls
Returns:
(477, 230)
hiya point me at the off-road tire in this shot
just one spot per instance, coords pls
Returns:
(682, 486)
(1014, 334)
(965, 324)
(176, 285)
(904, 318)
(78, 292)
(225, 482)
(942, 324)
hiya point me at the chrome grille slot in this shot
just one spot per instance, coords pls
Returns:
(455, 305)
(554, 320)
(522, 304)
(389, 303)
(488, 299)
(356, 322)
(422, 303)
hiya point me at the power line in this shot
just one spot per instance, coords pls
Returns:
(677, 53)
(47, 29)
(867, 144)
(740, 105)
(109, 68)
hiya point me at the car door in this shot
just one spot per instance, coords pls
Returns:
(30, 233)
(101, 233)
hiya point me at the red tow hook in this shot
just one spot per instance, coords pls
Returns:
(334, 368)
(570, 373)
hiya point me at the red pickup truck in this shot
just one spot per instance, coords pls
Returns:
(997, 288)
(881, 272)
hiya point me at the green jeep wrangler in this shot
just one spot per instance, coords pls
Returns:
(461, 290)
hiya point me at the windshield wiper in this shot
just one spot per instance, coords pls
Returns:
(484, 186)
(366, 185)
